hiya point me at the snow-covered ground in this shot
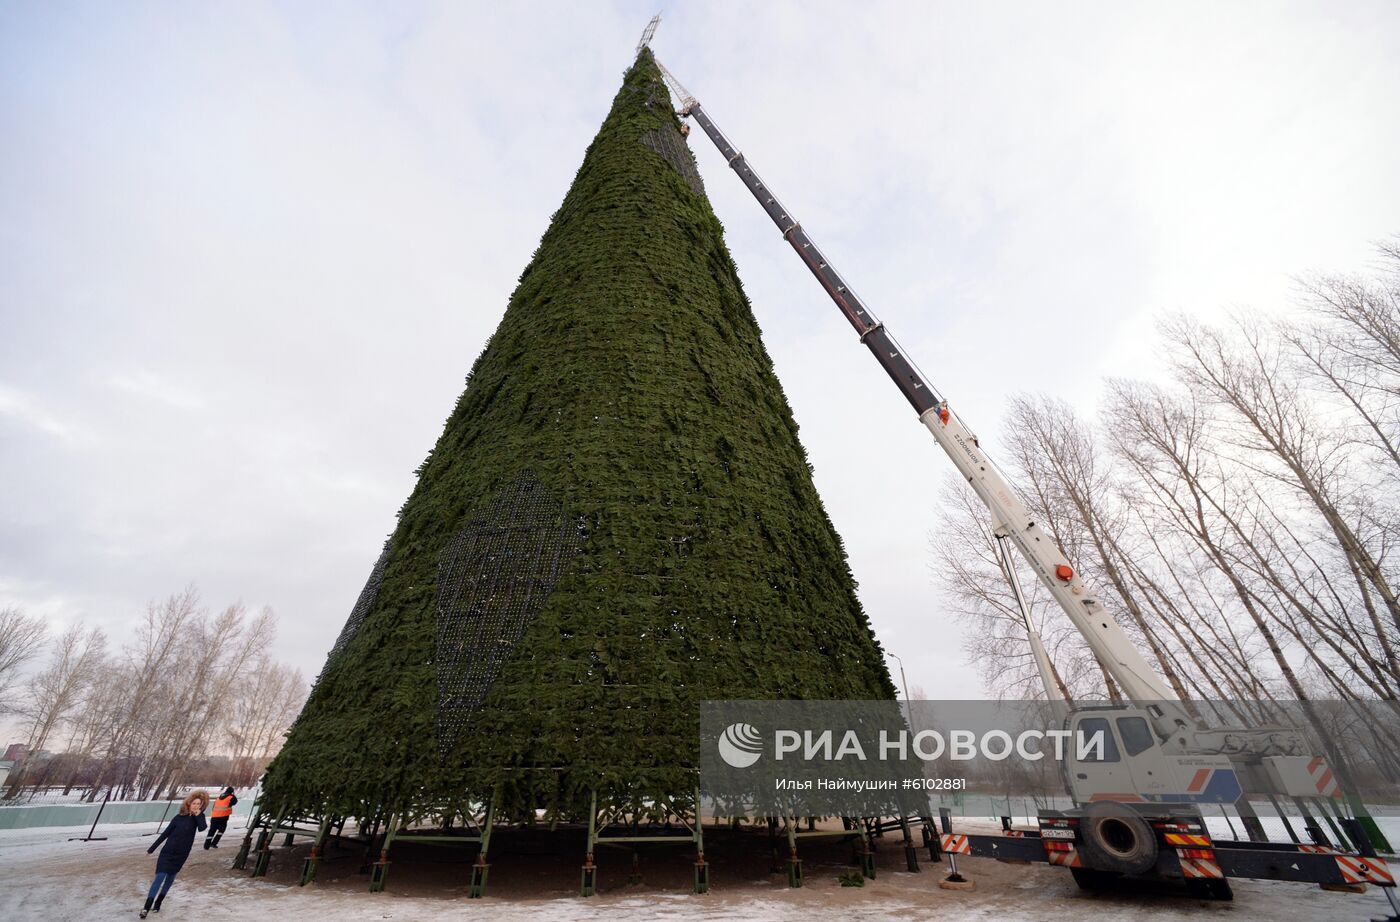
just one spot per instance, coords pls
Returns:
(45, 877)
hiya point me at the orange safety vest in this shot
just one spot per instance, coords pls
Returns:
(222, 807)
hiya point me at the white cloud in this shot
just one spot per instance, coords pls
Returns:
(29, 411)
(153, 386)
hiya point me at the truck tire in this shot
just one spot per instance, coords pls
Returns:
(1115, 838)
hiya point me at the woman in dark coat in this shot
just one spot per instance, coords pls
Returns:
(179, 838)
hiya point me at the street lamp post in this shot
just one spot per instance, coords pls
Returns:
(902, 680)
(908, 702)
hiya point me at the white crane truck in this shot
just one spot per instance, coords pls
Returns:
(1137, 810)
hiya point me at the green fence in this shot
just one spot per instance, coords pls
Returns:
(117, 811)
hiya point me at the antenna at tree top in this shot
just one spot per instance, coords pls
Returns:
(648, 32)
(683, 97)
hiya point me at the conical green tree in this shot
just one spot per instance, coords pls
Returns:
(617, 523)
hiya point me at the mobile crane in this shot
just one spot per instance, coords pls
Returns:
(1138, 808)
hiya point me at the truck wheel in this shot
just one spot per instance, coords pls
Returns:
(1114, 838)
(1089, 879)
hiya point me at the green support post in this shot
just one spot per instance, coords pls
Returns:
(240, 860)
(1287, 826)
(867, 854)
(367, 863)
(264, 849)
(379, 871)
(1369, 825)
(702, 870)
(259, 847)
(794, 865)
(589, 883)
(911, 854)
(776, 865)
(481, 868)
(308, 871)
(931, 840)
(1342, 841)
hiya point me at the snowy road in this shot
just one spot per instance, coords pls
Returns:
(44, 877)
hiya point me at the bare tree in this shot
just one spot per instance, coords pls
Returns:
(21, 636)
(92, 725)
(136, 723)
(1071, 484)
(1353, 347)
(1167, 443)
(261, 709)
(132, 725)
(1241, 529)
(969, 568)
(1283, 438)
(217, 653)
(56, 692)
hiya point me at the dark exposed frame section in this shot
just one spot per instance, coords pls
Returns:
(368, 596)
(668, 142)
(493, 577)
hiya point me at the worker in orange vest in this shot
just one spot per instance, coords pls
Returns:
(218, 817)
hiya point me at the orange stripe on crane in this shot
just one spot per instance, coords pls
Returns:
(1199, 868)
(1351, 873)
(1357, 869)
(1378, 872)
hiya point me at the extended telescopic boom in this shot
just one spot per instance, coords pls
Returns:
(1108, 641)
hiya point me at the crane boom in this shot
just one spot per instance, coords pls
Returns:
(1119, 657)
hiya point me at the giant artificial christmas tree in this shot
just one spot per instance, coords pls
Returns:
(617, 523)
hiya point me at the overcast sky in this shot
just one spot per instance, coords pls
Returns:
(249, 251)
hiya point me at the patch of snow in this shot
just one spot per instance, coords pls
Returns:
(45, 877)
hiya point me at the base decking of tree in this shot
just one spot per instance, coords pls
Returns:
(377, 836)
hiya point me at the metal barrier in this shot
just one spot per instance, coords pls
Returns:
(117, 811)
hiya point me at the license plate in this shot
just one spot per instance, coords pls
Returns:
(1050, 832)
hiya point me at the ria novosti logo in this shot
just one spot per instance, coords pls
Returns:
(740, 745)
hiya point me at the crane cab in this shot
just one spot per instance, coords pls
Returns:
(1115, 756)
